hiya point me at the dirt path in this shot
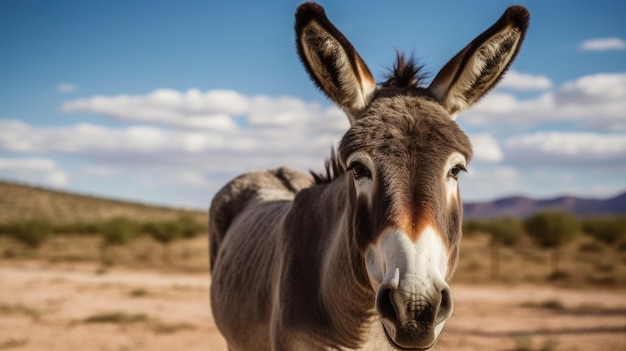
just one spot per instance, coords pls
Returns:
(43, 308)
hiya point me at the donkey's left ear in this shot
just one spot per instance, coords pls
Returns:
(480, 65)
(332, 62)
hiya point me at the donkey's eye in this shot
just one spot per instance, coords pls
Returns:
(360, 171)
(454, 171)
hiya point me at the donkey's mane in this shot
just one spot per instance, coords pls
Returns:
(405, 73)
(332, 169)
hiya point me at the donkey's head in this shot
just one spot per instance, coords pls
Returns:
(404, 153)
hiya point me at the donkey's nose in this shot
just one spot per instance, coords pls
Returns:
(411, 320)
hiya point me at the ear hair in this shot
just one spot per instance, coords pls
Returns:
(332, 63)
(477, 68)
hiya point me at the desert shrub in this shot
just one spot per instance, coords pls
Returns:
(13, 343)
(89, 228)
(19, 309)
(139, 292)
(502, 232)
(189, 227)
(591, 247)
(550, 344)
(165, 233)
(471, 227)
(551, 230)
(523, 343)
(32, 233)
(505, 231)
(608, 229)
(117, 317)
(552, 304)
(160, 327)
(116, 232)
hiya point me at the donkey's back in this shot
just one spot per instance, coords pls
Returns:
(250, 189)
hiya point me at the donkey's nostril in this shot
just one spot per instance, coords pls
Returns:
(445, 306)
(385, 306)
(446, 299)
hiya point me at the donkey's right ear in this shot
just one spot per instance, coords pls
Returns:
(333, 64)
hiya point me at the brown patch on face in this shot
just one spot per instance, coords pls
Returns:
(413, 221)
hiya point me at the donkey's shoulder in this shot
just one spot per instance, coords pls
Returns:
(253, 187)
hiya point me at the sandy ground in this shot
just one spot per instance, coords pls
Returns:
(50, 308)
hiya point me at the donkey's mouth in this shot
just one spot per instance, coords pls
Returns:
(393, 343)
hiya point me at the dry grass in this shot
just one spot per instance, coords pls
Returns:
(20, 309)
(584, 262)
(20, 202)
(188, 255)
(117, 317)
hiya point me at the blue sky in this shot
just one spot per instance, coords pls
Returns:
(164, 101)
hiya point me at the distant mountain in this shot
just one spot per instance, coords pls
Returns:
(521, 207)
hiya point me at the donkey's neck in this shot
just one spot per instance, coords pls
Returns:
(345, 292)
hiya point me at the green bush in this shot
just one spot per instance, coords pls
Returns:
(118, 231)
(167, 231)
(79, 228)
(189, 227)
(505, 231)
(474, 226)
(502, 232)
(164, 232)
(608, 229)
(552, 229)
(32, 233)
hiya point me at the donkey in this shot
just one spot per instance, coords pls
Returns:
(358, 257)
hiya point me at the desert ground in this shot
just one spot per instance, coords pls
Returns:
(79, 307)
(73, 292)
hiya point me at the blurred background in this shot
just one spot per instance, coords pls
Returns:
(119, 120)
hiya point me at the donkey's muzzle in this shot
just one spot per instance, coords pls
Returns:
(413, 321)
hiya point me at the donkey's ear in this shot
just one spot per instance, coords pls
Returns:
(333, 64)
(480, 65)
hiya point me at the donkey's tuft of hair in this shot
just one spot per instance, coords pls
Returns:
(405, 73)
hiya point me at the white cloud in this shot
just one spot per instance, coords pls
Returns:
(149, 147)
(595, 101)
(67, 88)
(580, 149)
(524, 82)
(486, 148)
(602, 44)
(35, 170)
(486, 183)
(593, 89)
(216, 110)
(192, 109)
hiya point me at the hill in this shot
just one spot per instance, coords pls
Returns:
(522, 207)
(19, 202)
